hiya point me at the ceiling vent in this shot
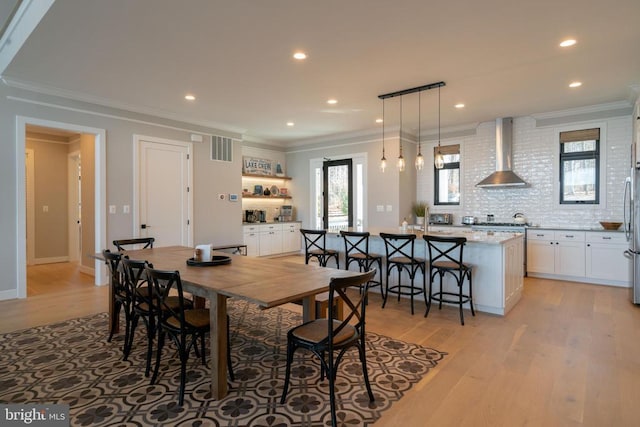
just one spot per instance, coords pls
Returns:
(503, 176)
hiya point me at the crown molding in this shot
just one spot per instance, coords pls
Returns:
(109, 103)
(610, 106)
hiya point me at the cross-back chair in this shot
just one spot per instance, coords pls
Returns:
(146, 242)
(315, 247)
(329, 338)
(356, 249)
(446, 259)
(400, 255)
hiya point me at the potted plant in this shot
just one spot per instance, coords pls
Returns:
(419, 209)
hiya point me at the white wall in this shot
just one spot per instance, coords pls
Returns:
(212, 221)
(388, 189)
(536, 160)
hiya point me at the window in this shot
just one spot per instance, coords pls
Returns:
(447, 179)
(580, 166)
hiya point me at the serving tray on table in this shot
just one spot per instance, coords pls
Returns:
(215, 260)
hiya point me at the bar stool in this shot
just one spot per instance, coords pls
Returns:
(400, 255)
(315, 247)
(445, 256)
(356, 246)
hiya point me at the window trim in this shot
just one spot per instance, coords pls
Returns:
(447, 149)
(582, 155)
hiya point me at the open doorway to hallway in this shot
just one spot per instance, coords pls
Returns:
(55, 233)
(91, 232)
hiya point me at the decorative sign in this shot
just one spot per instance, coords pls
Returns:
(252, 165)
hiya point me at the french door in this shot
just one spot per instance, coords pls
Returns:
(337, 191)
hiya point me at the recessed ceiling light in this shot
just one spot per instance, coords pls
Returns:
(300, 55)
(189, 97)
(378, 120)
(567, 43)
(461, 105)
(332, 101)
(575, 84)
(290, 124)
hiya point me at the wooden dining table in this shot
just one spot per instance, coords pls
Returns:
(267, 282)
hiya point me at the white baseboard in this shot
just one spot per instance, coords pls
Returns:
(50, 260)
(9, 294)
(87, 270)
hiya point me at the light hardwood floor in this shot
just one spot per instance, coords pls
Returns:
(567, 355)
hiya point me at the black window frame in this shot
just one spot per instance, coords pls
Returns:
(579, 155)
(325, 189)
(447, 165)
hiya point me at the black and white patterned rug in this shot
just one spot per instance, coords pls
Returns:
(72, 362)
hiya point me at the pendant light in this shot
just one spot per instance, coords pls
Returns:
(419, 158)
(439, 158)
(383, 160)
(401, 162)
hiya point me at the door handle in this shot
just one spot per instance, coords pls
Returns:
(144, 226)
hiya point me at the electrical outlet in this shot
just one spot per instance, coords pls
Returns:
(45, 208)
(126, 209)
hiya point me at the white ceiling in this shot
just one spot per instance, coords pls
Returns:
(499, 57)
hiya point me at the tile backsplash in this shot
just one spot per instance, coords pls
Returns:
(535, 158)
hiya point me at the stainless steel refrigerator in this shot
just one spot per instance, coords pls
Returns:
(632, 228)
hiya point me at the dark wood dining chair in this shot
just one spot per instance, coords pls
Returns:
(400, 254)
(315, 246)
(446, 259)
(184, 324)
(146, 242)
(328, 338)
(141, 305)
(120, 298)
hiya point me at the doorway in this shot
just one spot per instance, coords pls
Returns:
(356, 199)
(96, 181)
(337, 194)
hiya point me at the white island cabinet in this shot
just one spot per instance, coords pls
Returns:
(497, 260)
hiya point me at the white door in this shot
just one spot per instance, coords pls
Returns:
(164, 204)
(74, 210)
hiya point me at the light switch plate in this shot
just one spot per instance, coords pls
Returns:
(380, 208)
(126, 209)
(112, 209)
(389, 208)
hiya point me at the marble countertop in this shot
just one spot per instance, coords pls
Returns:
(487, 237)
(576, 228)
(271, 222)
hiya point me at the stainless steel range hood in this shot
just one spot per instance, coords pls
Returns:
(503, 176)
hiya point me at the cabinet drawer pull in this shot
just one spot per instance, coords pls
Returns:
(606, 238)
(569, 236)
(539, 235)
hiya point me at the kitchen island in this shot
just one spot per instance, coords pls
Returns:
(497, 259)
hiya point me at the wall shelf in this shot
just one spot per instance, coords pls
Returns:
(273, 177)
(256, 196)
